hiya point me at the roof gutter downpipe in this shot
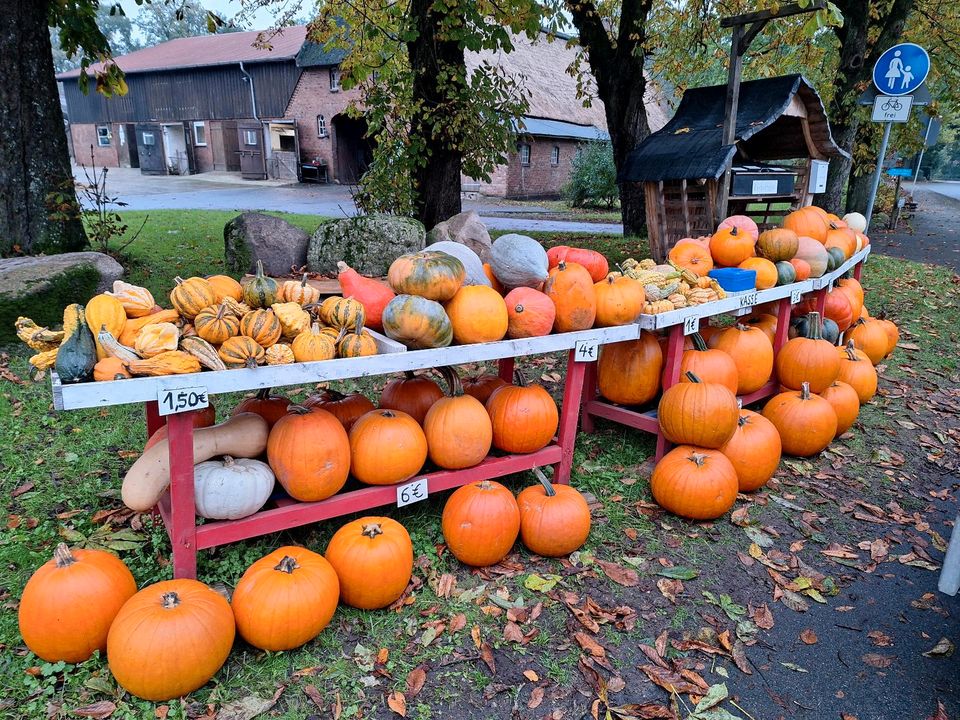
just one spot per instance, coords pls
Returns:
(253, 92)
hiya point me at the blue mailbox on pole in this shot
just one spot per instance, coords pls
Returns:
(901, 69)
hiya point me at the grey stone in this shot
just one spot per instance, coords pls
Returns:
(253, 236)
(368, 243)
(40, 286)
(466, 229)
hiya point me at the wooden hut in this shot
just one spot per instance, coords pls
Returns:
(779, 159)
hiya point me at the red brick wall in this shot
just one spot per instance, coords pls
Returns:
(540, 178)
(84, 135)
(313, 97)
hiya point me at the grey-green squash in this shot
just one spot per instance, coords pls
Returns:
(518, 261)
(78, 351)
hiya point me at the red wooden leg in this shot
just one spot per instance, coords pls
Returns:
(183, 522)
(821, 300)
(506, 369)
(589, 393)
(671, 365)
(783, 325)
(569, 413)
(154, 421)
(857, 271)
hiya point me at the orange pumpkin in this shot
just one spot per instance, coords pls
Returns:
(494, 283)
(751, 352)
(225, 286)
(806, 422)
(571, 289)
(530, 313)
(619, 301)
(870, 337)
(262, 326)
(457, 428)
(858, 372)
(846, 404)
(711, 366)
(841, 237)
(373, 557)
(856, 302)
(412, 394)
(524, 417)
(694, 483)
(778, 244)
(892, 331)
(766, 271)
(730, 247)
(628, 373)
(345, 408)
(754, 450)
(809, 222)
(554, 519)
(809, 359)
(480, 523)
(309, 453)
(478, 315)
(482, 386)
(110, 368)
(691, 256)
(386, 447)
(766, 322)
(839, 309)
(594, 262)
(802, 267)
(270, 407)
(698, 413)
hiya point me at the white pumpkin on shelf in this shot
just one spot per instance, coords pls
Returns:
(230, 489)
(856, 222)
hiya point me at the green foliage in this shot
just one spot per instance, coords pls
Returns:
(593, 177)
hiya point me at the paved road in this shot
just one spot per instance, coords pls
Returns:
(933, 234)
(949, 189)
(227, 191)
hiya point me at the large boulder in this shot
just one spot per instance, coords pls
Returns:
(466, 229)
(367, 243)
(40, 287)
(253, 236)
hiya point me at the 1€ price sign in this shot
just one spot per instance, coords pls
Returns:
(412, 492)
(586, 351)
(182, 399)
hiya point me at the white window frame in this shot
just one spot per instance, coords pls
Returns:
(149, 139)
(196, 139)
(555, 155)
(334, 79)
(525, 150)
(250, 135)
(322, 130)
(108, 137)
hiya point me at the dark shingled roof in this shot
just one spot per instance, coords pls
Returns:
(315, 55)
(689, 146)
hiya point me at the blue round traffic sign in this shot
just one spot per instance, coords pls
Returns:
(901, 69)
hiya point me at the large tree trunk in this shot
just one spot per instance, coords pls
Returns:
(34, 164)
(437, 179)
(628, 126)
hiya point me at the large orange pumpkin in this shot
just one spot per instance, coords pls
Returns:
(345, 408)
(858, 372)
(841, 237)
(752, 353)
(629, 372)
(570, 287)
(69, 603)
(530, 313)
(285, 599)
(698, 413)
(711, 366)
(839, 309)
(169, 639)
(457, 428)
(766, 271)
(806, 422)
(412, 394)
(386, 447)
(619, 301)
(808, 222)
(846, 404)
(373, 557)
(766, 322)
(742, 223)
(225, 286)
(309, 453)
(524, 417)
(870, 337)
(809, 359)
(694, 483)
(754, 450)
(730, 247)
(691, 256)
(889, 327)
(554, 519)
(480, 523)
(478, 315)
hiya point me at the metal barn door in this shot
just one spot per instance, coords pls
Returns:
(150, 149)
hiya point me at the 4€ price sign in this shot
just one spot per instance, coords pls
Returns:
(586, 351)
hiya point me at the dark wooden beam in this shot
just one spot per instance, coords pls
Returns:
(783, 11)
(749, 34)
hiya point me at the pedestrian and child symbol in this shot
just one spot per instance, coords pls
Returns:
(901, 69)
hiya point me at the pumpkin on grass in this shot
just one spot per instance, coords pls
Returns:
(698, 413)
(753, 450)
(628, 373)
(386, 447)
(285, 599)
(858, 372)
(554, 519)
(571, 288)
(412, 394)
(270, 407)
(477, 314)
(309, 453)
(619, 301)
(482, 386)
(752, 353)
(892, 331)
(806, 422)
(730, 247)
(691, 256)
(696, 483)
(373, 557)
(530, 313)
(870, 337)
(846, 404)
(711, 366)
(480, 523)
(809, 359)
(69, 603)
(457, 428)
(524, 417)
(345, 408)
(169, 639)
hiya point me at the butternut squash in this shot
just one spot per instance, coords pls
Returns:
(241, 436)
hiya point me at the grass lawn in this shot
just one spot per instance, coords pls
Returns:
(60, 477)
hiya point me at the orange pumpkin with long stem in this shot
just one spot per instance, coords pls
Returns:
(373, 557)
(753, 450)
(457, 427)
(480, 523)
(806, 422)
(554, 519)
(524, 417)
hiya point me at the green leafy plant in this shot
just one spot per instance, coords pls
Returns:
(593, 179)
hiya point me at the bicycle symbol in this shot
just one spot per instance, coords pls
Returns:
(891, 105)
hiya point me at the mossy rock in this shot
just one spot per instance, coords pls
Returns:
(368, 243)
(40, 287)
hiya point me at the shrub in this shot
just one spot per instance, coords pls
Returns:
(593, 178)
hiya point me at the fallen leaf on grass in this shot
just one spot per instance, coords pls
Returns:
(415, 680)
(641, 711)
(808, 636)
(762, 617)
(536, 697)
(21, 489)
(685, 681)
(475, 634)
(513, 633)
(314, 694)
(531, 675)
(248, 707)
(98, 710)
(541, 584)
(941, 712)
(943, 648)
(878, 660)
(589, 645)
(620, 575)
(880, 638)
(398, 703)
(486, 654)
(670, 588)
(457, 623)
(445, 585)
(677, 573)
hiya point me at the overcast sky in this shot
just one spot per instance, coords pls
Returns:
(227, 9)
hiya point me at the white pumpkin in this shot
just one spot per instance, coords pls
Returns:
(855, 221)
(518, 261)
(231, 489)
(471, 261)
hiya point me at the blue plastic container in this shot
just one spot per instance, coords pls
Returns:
(735, 279)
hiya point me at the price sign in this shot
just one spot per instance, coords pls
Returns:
(794, 297)
(182, 399)
(748, 299)
(412, 492)
(691, 325)
(586, 351)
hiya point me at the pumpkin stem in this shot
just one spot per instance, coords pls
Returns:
(410, 374)
(263, 393)
(303, 280)
(62, 556)
(518, 378)
(298, 409)
(333, 395)
(228, 461)
(287, 565)
(453, 380)
(697, 458)
(562, 265)
(371, 530)
(814, 326)
(169, 600)
(699, 343)
(387, 414)
(260, 269)
(734, 231)
(340, 335)
(805, 391)
(250, 363)
(178, 280)
(545, 481)
(742, 420)
(692, 377)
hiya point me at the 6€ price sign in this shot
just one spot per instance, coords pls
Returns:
(586, 351)
(181, 399)
(412, 492)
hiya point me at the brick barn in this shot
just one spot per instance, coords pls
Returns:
(217, 103)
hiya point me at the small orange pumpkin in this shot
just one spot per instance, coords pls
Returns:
(457, 428)
(730, 247)
(754, 450)
(806, 422)
(846, 404)
(373, 557)
(480, 523)
(858, 372)
(870, 337)
(263, 326)
(530, 313)
(570, 287)
(691, 256)
(619, 301)
(225, 286)
(478, 315)
(766, 271)
(554, 519)
(524, 417)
